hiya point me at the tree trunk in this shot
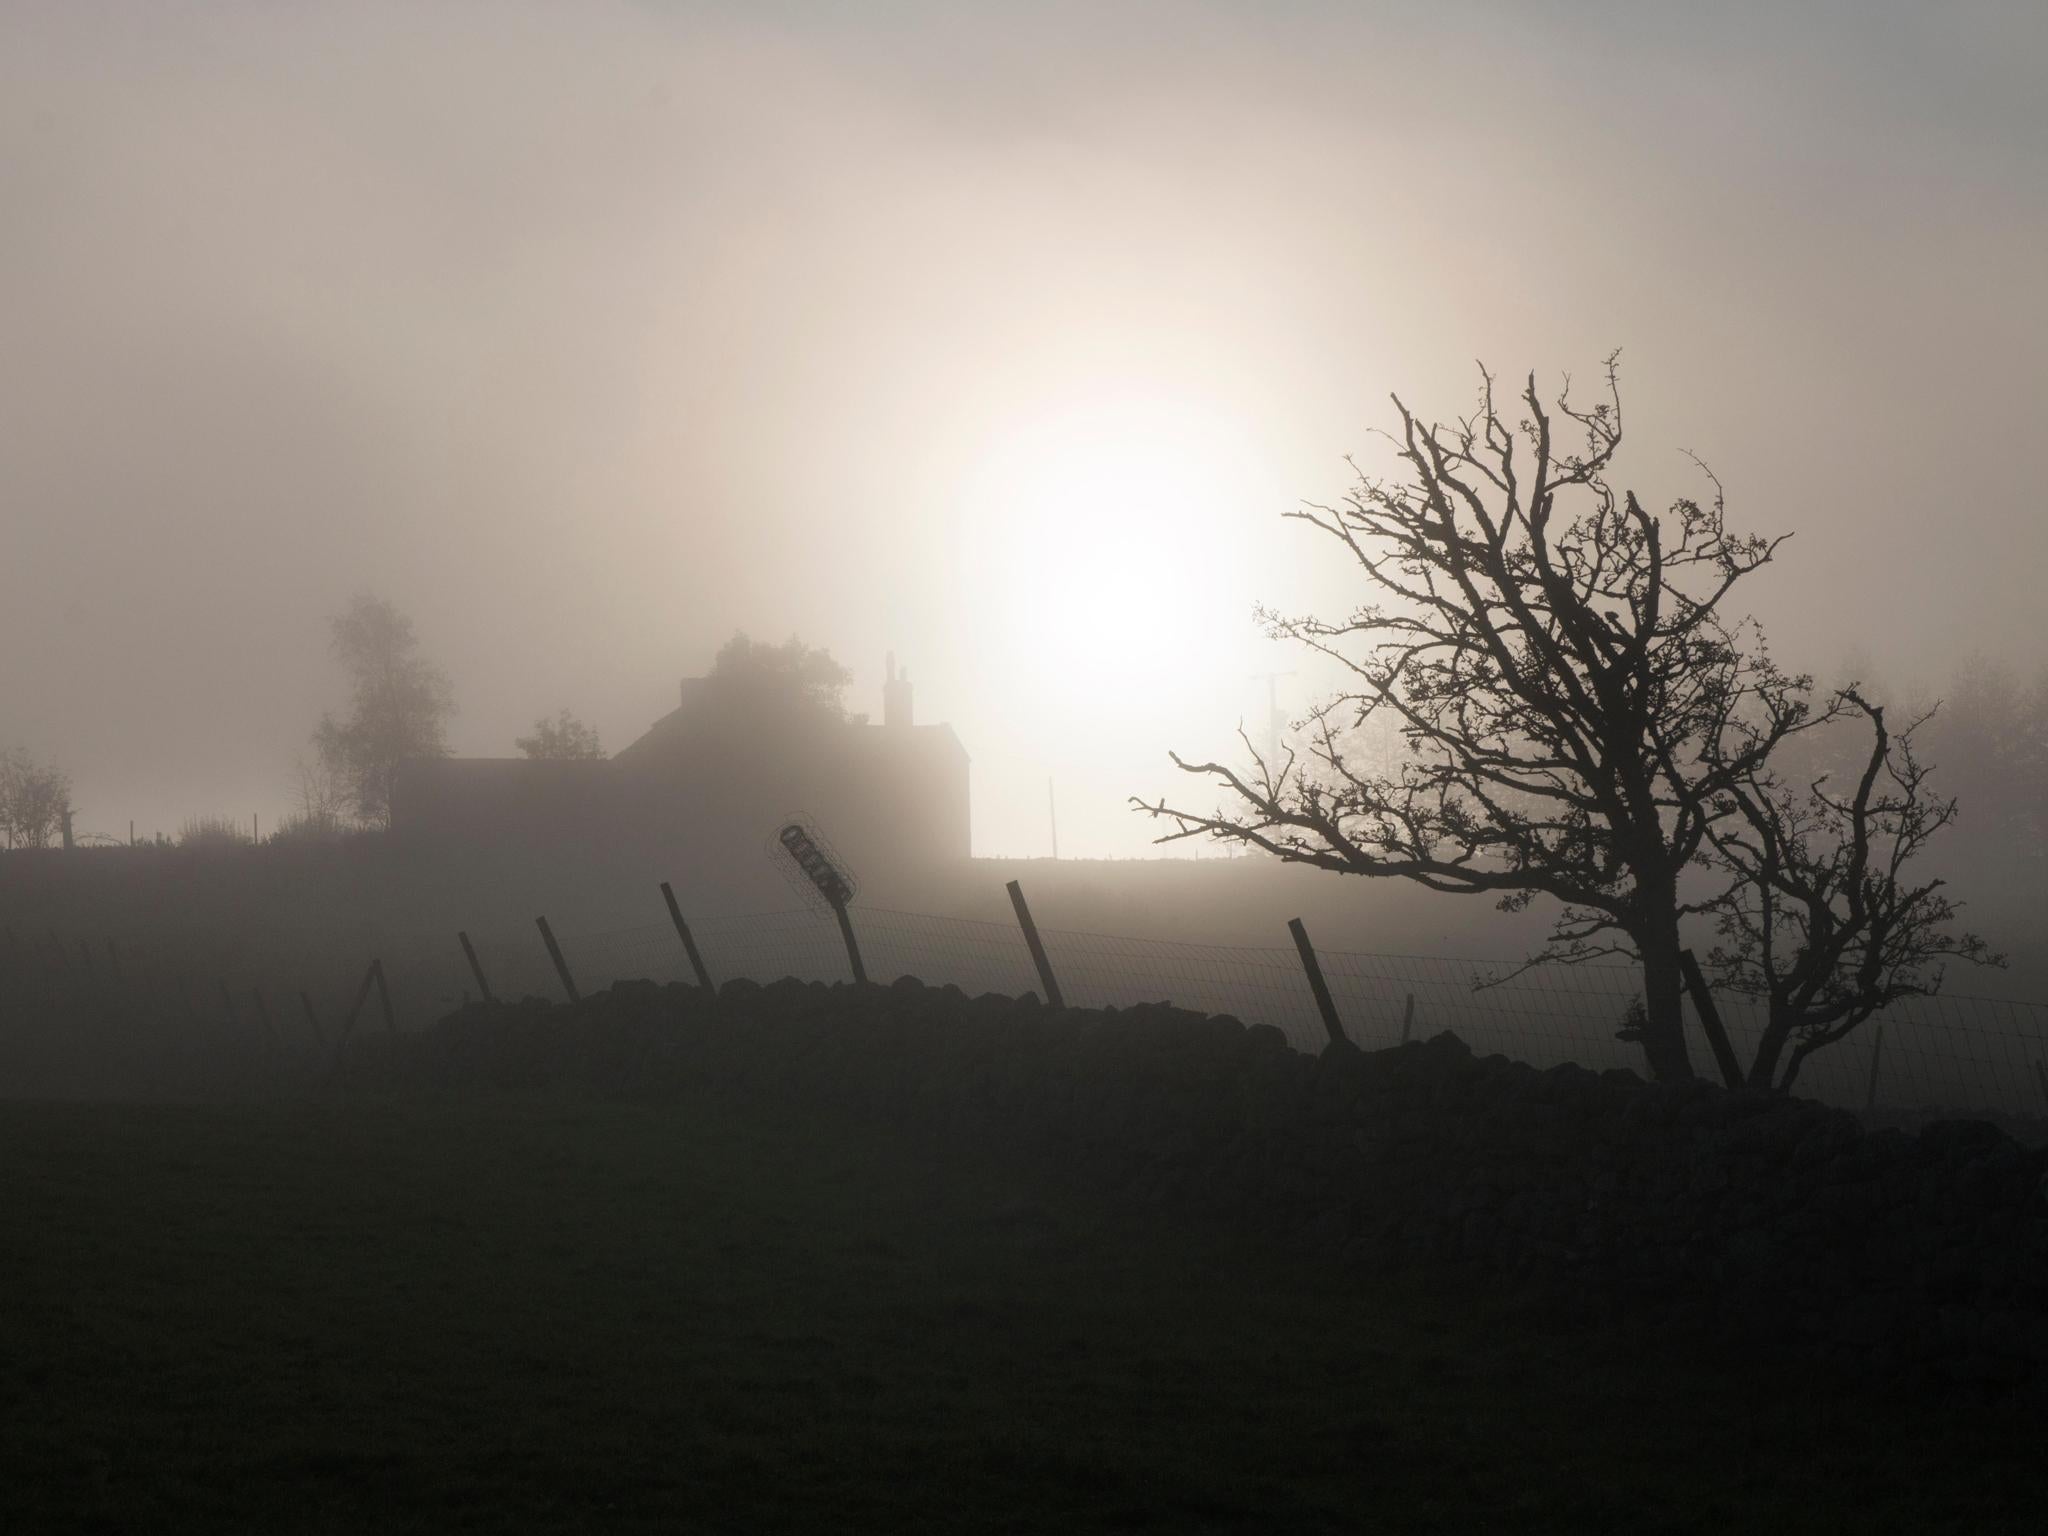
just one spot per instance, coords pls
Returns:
(1763, 1072)
(1664, 1019)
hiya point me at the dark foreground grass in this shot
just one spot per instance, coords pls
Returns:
(495, 1315)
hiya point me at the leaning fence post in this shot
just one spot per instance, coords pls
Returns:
(561, 966)
(348, 1024)
(312, 1018)
(1045, 976)
(384, 997)
(475, 968)
(1407, 1018)
(1710, 1018)
(371, 977)
(1324, 1003)
(1876, 1056)
(683, 932)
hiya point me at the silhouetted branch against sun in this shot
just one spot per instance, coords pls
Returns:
(1820, 919)
(1572, 703)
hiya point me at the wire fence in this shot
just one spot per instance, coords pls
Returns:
(1972, 1054)
(1964, 1054)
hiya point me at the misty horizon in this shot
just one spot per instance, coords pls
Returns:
(1000, 342)
(1132, 765)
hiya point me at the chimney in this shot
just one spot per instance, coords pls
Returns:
(895, 695)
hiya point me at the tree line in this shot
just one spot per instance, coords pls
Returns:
(398, 708)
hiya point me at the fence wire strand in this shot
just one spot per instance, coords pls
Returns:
(1967, 1053)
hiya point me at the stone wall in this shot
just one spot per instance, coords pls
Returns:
(1765, 1222)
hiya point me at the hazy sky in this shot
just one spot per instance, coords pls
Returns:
(996, 335)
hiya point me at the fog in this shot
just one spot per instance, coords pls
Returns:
(999, 338)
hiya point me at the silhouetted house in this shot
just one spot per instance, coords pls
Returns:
(712, 780)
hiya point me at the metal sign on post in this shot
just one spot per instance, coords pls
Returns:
(805, 849)
(814, 867)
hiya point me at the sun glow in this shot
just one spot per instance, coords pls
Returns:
(1102, 551)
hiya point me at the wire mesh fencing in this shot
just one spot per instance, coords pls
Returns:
(1970, 1053)
(1962, 1053)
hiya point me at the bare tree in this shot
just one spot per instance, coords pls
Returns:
(398, 707)
(323, 798)
(562, 738)
(1564, 676)
(1822, 920)
(35, 800)
(324, 813)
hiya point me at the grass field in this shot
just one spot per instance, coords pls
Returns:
(498, 1315)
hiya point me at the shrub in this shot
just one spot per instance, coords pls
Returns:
(212, 832)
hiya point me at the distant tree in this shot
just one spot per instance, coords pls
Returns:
(323, 814)
(1573, 699)
(399, 705)
(804, 674)
(35, 799)
(1824, 920)
(324, 801)
(562, 738)
(1991, 738)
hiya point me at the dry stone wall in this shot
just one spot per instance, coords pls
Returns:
(1763, 1221)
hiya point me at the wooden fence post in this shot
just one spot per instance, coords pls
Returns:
(1876, 1057)
(313, 1018)
(1324, 1003)
(1710, 1018)
(860, 972)
(384, 997)
(1407, 1018)
(476, 968)
(1046, 978)
(348, 1022)
(561, 966)
(675, 914)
